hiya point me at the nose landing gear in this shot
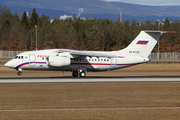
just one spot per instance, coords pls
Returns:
(19, 73)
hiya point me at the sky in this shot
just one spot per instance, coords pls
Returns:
(150, 2)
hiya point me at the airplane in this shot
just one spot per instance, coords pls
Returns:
(79, 62)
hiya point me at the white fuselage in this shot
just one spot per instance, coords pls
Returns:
(37, 60)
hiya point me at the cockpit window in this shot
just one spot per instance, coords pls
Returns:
(18, 57)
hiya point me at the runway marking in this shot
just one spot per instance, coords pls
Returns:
(86, 80)
(88, 109)
(92, 79)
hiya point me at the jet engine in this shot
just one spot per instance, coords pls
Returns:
(56, 61)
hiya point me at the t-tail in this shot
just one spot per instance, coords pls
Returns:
(144, 43)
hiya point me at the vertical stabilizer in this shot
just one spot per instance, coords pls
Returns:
(144, 43)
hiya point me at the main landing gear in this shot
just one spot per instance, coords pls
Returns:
(75, 74)
(81, 74)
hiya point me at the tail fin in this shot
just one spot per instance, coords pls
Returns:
(144, 43)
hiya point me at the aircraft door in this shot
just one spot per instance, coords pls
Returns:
(32, 60)
(113, 61)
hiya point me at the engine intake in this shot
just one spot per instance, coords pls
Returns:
(56, 61)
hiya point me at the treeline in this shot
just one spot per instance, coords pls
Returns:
(19, 32)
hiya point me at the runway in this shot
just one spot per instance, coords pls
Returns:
(89, 79)
(92, 109)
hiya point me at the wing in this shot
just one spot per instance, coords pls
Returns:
(86, 53)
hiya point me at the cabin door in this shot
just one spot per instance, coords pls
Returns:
(32, 60)
(113, 61)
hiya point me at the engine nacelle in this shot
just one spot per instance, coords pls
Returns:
(56, 61)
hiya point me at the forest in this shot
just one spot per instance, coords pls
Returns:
(19, 32)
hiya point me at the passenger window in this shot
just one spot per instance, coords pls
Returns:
(21, 57)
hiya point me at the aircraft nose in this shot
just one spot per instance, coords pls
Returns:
(8, 64)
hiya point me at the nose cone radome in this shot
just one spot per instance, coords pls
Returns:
(8, 64)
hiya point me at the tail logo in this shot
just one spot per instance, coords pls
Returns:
(142, 42)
